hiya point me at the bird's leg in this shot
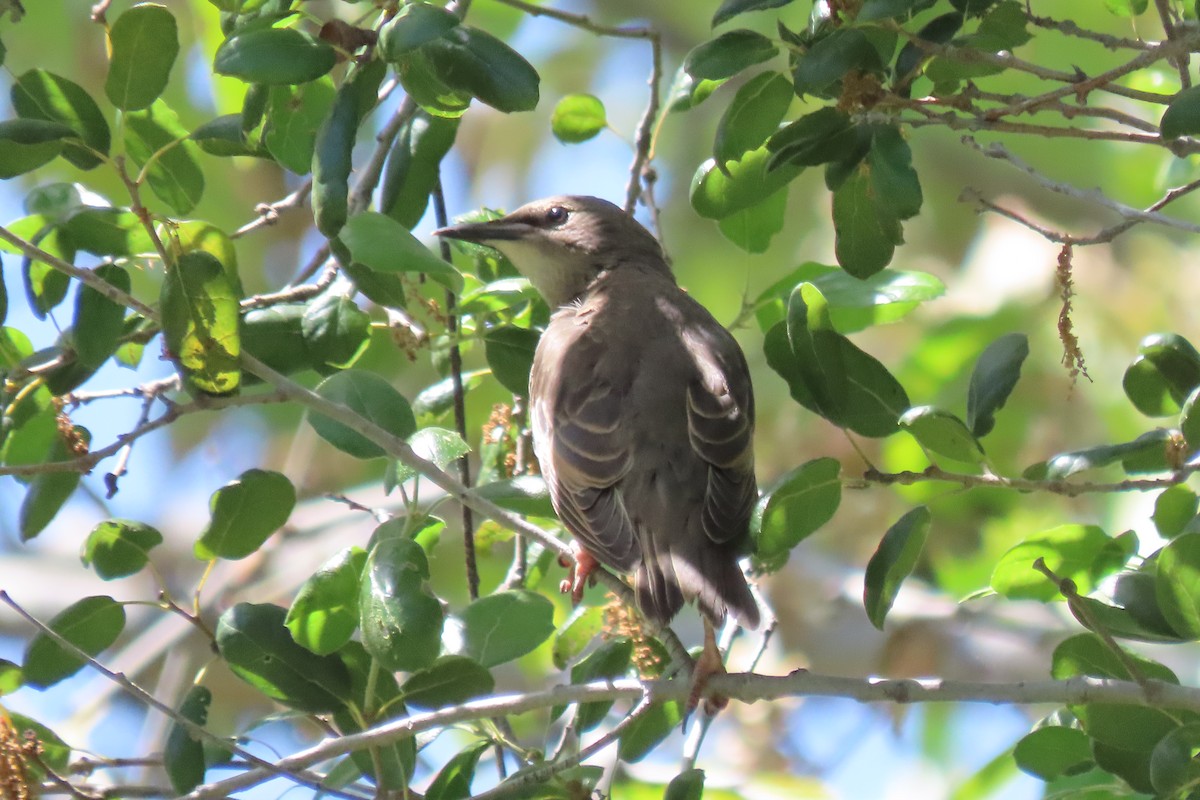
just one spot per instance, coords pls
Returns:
(580, 574)
(708, 664)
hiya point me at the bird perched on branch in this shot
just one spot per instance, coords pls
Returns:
(641, 406)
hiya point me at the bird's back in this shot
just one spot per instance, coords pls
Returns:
(645, 440)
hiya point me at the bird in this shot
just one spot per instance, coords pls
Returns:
(641, 409)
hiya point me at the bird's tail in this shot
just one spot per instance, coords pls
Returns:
(665, 580)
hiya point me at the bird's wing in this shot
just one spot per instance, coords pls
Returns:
(584, 449)
(720, 414)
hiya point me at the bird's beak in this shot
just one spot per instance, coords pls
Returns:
(497, 230)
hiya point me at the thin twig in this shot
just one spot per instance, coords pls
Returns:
(294, 294)
(111, 478)
(1061, 487)
(268, 213)
(1180, 61)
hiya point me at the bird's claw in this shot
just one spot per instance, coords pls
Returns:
(707, 665)
(580, 575)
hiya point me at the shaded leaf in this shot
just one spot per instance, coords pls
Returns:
(796, 506)
(324, 614)
(993, 379)
(91, 624)
(413, 165)
(400, 618)
(449, 681)
(893, 561)
(371, 397)
(384, 245)
(119, 547)
(200, 311)
(942, 433)
(143, 44)
(506, 625)
(245, 512)
(38, 94)
(183, 756)
(274, 56)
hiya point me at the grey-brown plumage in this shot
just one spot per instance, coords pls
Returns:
(641, 406)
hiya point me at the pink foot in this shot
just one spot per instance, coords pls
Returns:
(580, 575)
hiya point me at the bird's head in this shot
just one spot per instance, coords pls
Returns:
(563, 243)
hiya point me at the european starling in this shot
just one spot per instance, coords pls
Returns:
(641, 407)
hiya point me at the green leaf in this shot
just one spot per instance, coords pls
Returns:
(91, 624)
(1127, 8)
(325, 614)
(579, 631)
(509, 352)
(993, 380)
(1066, 464)
(1162, 376)
(1074, 552)
(731, 8)
(413, 165)
(274, 56)
(1052, 751)
(712, 63)
(49, 491)
(336, 331)
(372, 398)
(200, 323)
(384, 245)
(609, 660)
(1173, 509)
(273, 336)
(1178, 584)
(423, 82)
(1087, 654)
(99, 322)
(752, 116)
(38, 94)
(1173, 768)
(144, 42)
(449, 681)
(476, 63)
(259, 649)
(865, 231)
(453, 781)
(437, 399)
(417, 24)
(893, 561)
(718, 193)
(797, 505)
(687, 785)
(53, 751)
(893, 178)
(245, 512)
(648, 731)
(183, 756)
(156, 138)
(753, 228)
(119, 547)
(826, 135)
(390, 766)
(1189, 420)
(295, 113)
(438, 445)
(332, 161)
(506, 625)
(524, 494)
(577, 118)
(106, 232)
(942, 433)
(401, 619)
(186, 236)
(26, 144)
(822, 68)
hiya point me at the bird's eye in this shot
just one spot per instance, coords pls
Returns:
(557, 215)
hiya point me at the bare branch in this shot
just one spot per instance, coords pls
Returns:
(1062, 486)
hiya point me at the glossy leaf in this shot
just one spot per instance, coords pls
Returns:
(829, 59)
(1075, 552)
(332, 161)
(942, 433)
(438, 445)
(1052, 751)
(119, 547)
(796, 506)
(200, 323)
(449, 681)
(718, 193)
(1063, 465)
(91, 624)
(1164, 373)
(993, 380)
(524, 494)
(324, 614)
(506, 625)
(245, 512)
(400, 618)
(731, 8)
(577, 118)
(453, 781)
(295, 114)
(893, 561)
(752, 116)
(273, 336)
(335, 330)
(415, 25)
(183, 755)
(371, 397)
(38, 94)
(384, 245)
(823, 136)
(259, 649)
(49, 491)
(866, 232)
(26, 144)
(476, 63)
(413, 165)
(1087, 654)
(143, 43)
(185, 236)
(99, 321)
(710, 64)
(422, 81)
(274, 56)
(1178, 584)
(1182, 117)
(156, 140)
(510, 353)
